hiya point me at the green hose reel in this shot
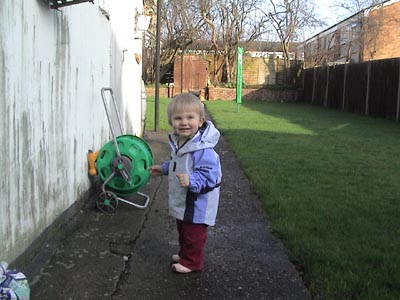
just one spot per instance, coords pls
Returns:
(129, 168)
(122, 166)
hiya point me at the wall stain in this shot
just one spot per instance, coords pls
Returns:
(51, 112)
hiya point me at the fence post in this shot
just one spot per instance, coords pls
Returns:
(327, 87)
(368, 88)
(398, 95)
(313, 87)
(344, 85)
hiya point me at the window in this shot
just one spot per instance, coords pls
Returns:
(345, 35)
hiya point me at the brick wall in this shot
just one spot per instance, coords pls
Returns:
(382, 32)
(247, 94)
(197, 68)
(261, 70)
(256, 94)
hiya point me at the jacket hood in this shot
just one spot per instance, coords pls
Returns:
(206, 137)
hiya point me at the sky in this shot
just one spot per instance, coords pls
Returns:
(323, 9)
(326, 13)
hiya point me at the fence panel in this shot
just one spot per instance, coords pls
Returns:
(383, 88)
(308, 85)
(356, 88)
(370, 88)
(335, 88)
(320, 86)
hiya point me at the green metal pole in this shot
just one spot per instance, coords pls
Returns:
(239, 77)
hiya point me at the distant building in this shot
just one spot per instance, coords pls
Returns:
(373, 33)
(267, 49)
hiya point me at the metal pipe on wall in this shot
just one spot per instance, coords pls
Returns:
(157, 83)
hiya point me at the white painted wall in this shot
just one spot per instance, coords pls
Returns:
(53, 65)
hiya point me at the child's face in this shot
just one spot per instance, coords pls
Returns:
(186, 123)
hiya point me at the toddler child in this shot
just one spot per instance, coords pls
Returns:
(194, 178)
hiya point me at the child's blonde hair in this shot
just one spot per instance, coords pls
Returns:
(183, 103)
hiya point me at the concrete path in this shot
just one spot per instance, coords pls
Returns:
(126, 255)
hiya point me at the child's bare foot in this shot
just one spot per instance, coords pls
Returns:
(178, 268)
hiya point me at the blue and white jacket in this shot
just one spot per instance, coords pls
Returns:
(197, 203)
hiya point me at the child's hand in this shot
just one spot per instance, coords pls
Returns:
(155, 170)
(183, 179)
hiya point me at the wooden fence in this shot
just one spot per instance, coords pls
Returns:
(369, 88)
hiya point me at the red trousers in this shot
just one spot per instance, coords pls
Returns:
(192, 239)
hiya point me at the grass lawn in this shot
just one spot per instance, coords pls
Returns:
(150, 112)
(330, 184)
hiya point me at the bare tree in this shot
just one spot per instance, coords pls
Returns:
(223, 24)
(289, 18)
(150, 8)
(347, 7)
(180, 27)
(372, 19)
(182, 24)
(229, 23)
(357, 33)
